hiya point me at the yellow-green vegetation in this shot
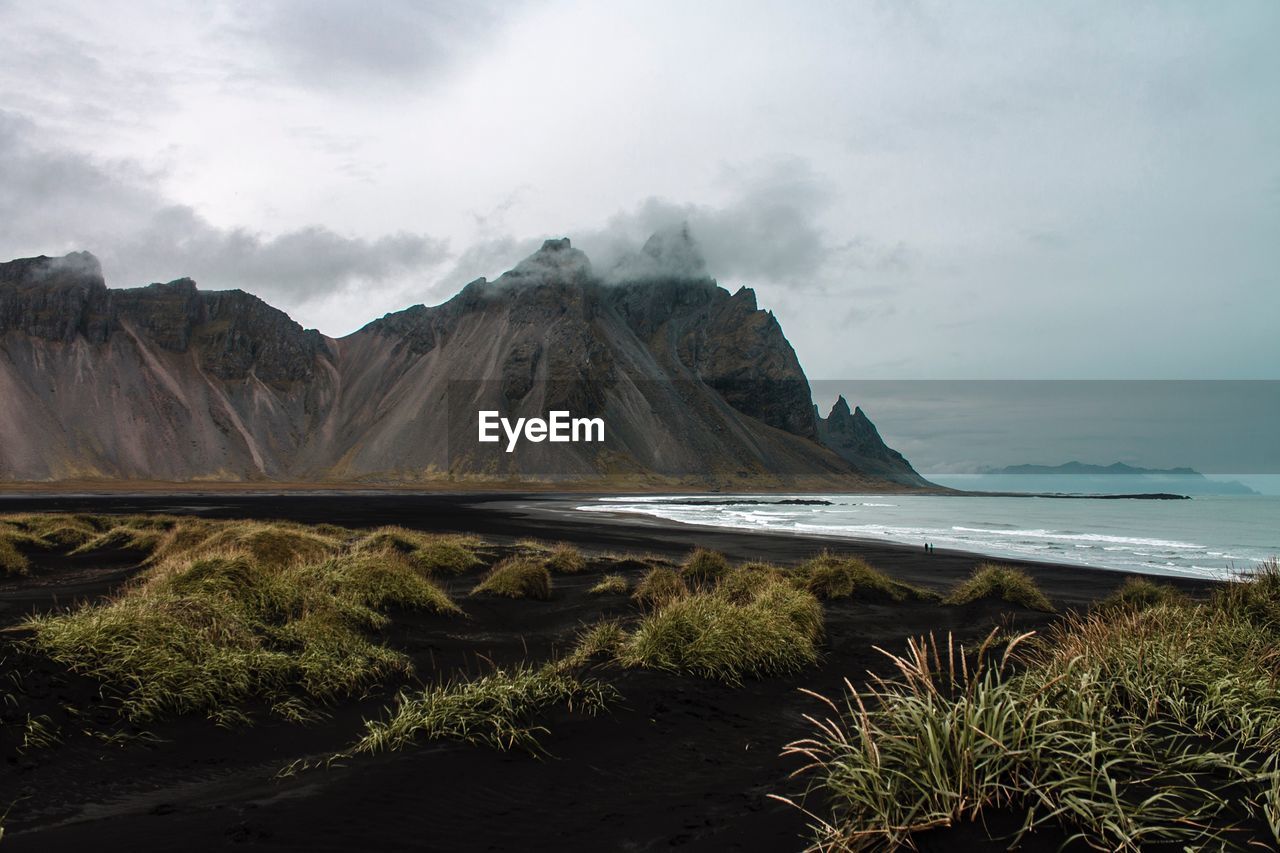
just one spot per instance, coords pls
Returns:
(745, 582)
(703, 567)
(611, 585)
(496, 709)
(12, 561)
(659, 586)
(829, 577)
(226, 612)
(1127, 727)
(1257, 599)
(1137, 592)
(728, 634)
(436, 554)
(566, 560)
(516, 577)
(991, 580)
(73, 533)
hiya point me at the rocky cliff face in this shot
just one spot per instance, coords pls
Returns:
(855, 438)
(169, 382)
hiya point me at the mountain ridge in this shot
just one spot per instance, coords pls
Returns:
(172, 382)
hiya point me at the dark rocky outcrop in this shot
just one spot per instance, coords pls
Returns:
(233, 332)
(855, 438)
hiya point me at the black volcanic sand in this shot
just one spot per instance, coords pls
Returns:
(678, 762)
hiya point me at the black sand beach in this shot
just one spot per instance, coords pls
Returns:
(679, 762)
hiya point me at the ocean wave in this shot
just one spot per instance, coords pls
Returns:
(1087, 537)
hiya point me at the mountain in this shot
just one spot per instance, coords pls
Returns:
(1083, 478)
(169, 382)
(855, 438)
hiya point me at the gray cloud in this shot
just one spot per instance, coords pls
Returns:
(396, 42)
(768, 229)
(56, 201)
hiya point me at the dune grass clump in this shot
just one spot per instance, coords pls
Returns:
(128, 532)
(1139, 592)
(1255, 596)
(1125, 728)
(446, 555)
(74, 534)
(12, 561)
(710, 634)
(496, 709)
(566, 560)
(237, 614)
(516, 577)
(266, 543)
(703, 567)
(611, 585)
(829, 576)
(744, 583)
(660, 586)
(436, 554)
(991, 580)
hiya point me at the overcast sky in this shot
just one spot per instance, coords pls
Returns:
(918, 190)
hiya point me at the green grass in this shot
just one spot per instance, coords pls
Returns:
(566, 560)
(703, 567)
(1256, 598)
(516, 577)
(832, 577)
(74, 533)
(496, 709)
(1126, 727)
(12, 561)
(660, 586)
(1006, 583)
(435, 554)
(611, 585)
(776, 630)
(232, 612)
(1138, 592)
(743, 584)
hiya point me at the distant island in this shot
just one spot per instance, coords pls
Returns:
(1083, 478)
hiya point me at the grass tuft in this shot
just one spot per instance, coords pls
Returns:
(1255, 596)
(516, 577)
(831, 577)
(1127, 728)
(611, 585)
(774, 631)
(229, 612)
(495, 709)
(12, 561)
(1138, 593)
(435, 554)
(743, 584)
(991, 580)
(566, 560)
(660, 586)
(703, 567)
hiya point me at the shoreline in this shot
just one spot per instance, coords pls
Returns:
(550, 516)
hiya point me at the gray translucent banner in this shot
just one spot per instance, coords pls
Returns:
(747, 428)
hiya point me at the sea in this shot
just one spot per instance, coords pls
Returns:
(1204, 537)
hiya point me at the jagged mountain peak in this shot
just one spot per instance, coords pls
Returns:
(854, 437)
(669, 253)
(556, 262)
